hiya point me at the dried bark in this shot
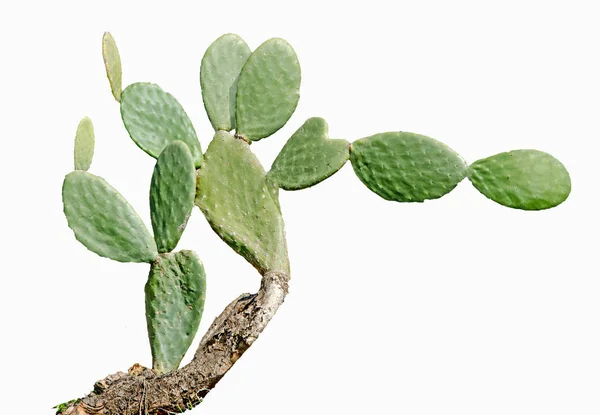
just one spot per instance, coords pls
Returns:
(141, 391)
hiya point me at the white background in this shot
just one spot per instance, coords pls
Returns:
(454, 306)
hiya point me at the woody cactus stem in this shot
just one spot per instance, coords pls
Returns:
(229, 336)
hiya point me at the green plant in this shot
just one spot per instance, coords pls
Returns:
(255, 94)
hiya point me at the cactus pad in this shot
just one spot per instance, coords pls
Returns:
(232, 193)
(172, 193)
(219, 73)
(103, 221)
(84, 145)
(154, 118)
(406, 167)
(112, 63)
(522, 179)
(175, 294)
(268, 89)
(308, 157)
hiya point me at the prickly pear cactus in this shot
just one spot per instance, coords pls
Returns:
(254, 93)
(154, 118)
(175, 294)
(172, 193)
(84, 145)
(309, 157)
(112, 64)
(522, 179)
(406, 167)
(103, 221)
(106, 224)
(219, 73)
(234, 196)
(268, 90)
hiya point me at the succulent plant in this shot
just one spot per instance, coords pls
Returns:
(248, 96)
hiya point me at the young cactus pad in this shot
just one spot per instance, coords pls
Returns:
(308, 157)
(233, 195)
(154, 118)
(268, 89)
(406, 167)
(103, 221)
(219, 73)
(172, 193)
(522, 179)
(175, 294)
(112, 64)
(84, 145)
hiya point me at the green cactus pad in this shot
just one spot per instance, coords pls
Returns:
(273, 189)
(233, 195)
(84, 145)
(103, 221)
(308, 157)
(268, 89)
(406, 167)
(112, 63)
(172, 193)
(219, 73)
(522, 179)
(154, 118)
(175, 294)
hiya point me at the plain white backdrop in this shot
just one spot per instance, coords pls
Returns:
(454, 306)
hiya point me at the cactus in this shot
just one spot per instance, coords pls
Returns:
(112, 64)
(219, 73)
(406, 167)
(107, 225)
(84, 145)
(233, 194)
(103, 221)
(522, 179)
(172, 193)
(268, 90)
(175, 294)
(154, 118)
(255, 94)
(308, 157)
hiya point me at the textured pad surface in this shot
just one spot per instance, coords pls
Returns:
(103, 221)
(154, 118)
(522, 179)
(273, 189)
(175, 294)
(268, 89)
(172, 193)
(233, 195)
(112, 63)
(308, 157)
(219, 73)
(406, 167)
(84, 145)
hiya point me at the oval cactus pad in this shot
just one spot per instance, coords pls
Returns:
(522, 179)
(112, 63)
(219, 73)
(175, 294)
(268, 89)
(308, 157)
(84, 145)
(103, 221)
(406, 167)
(172, 193)
(154, 118)
(232, 193)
